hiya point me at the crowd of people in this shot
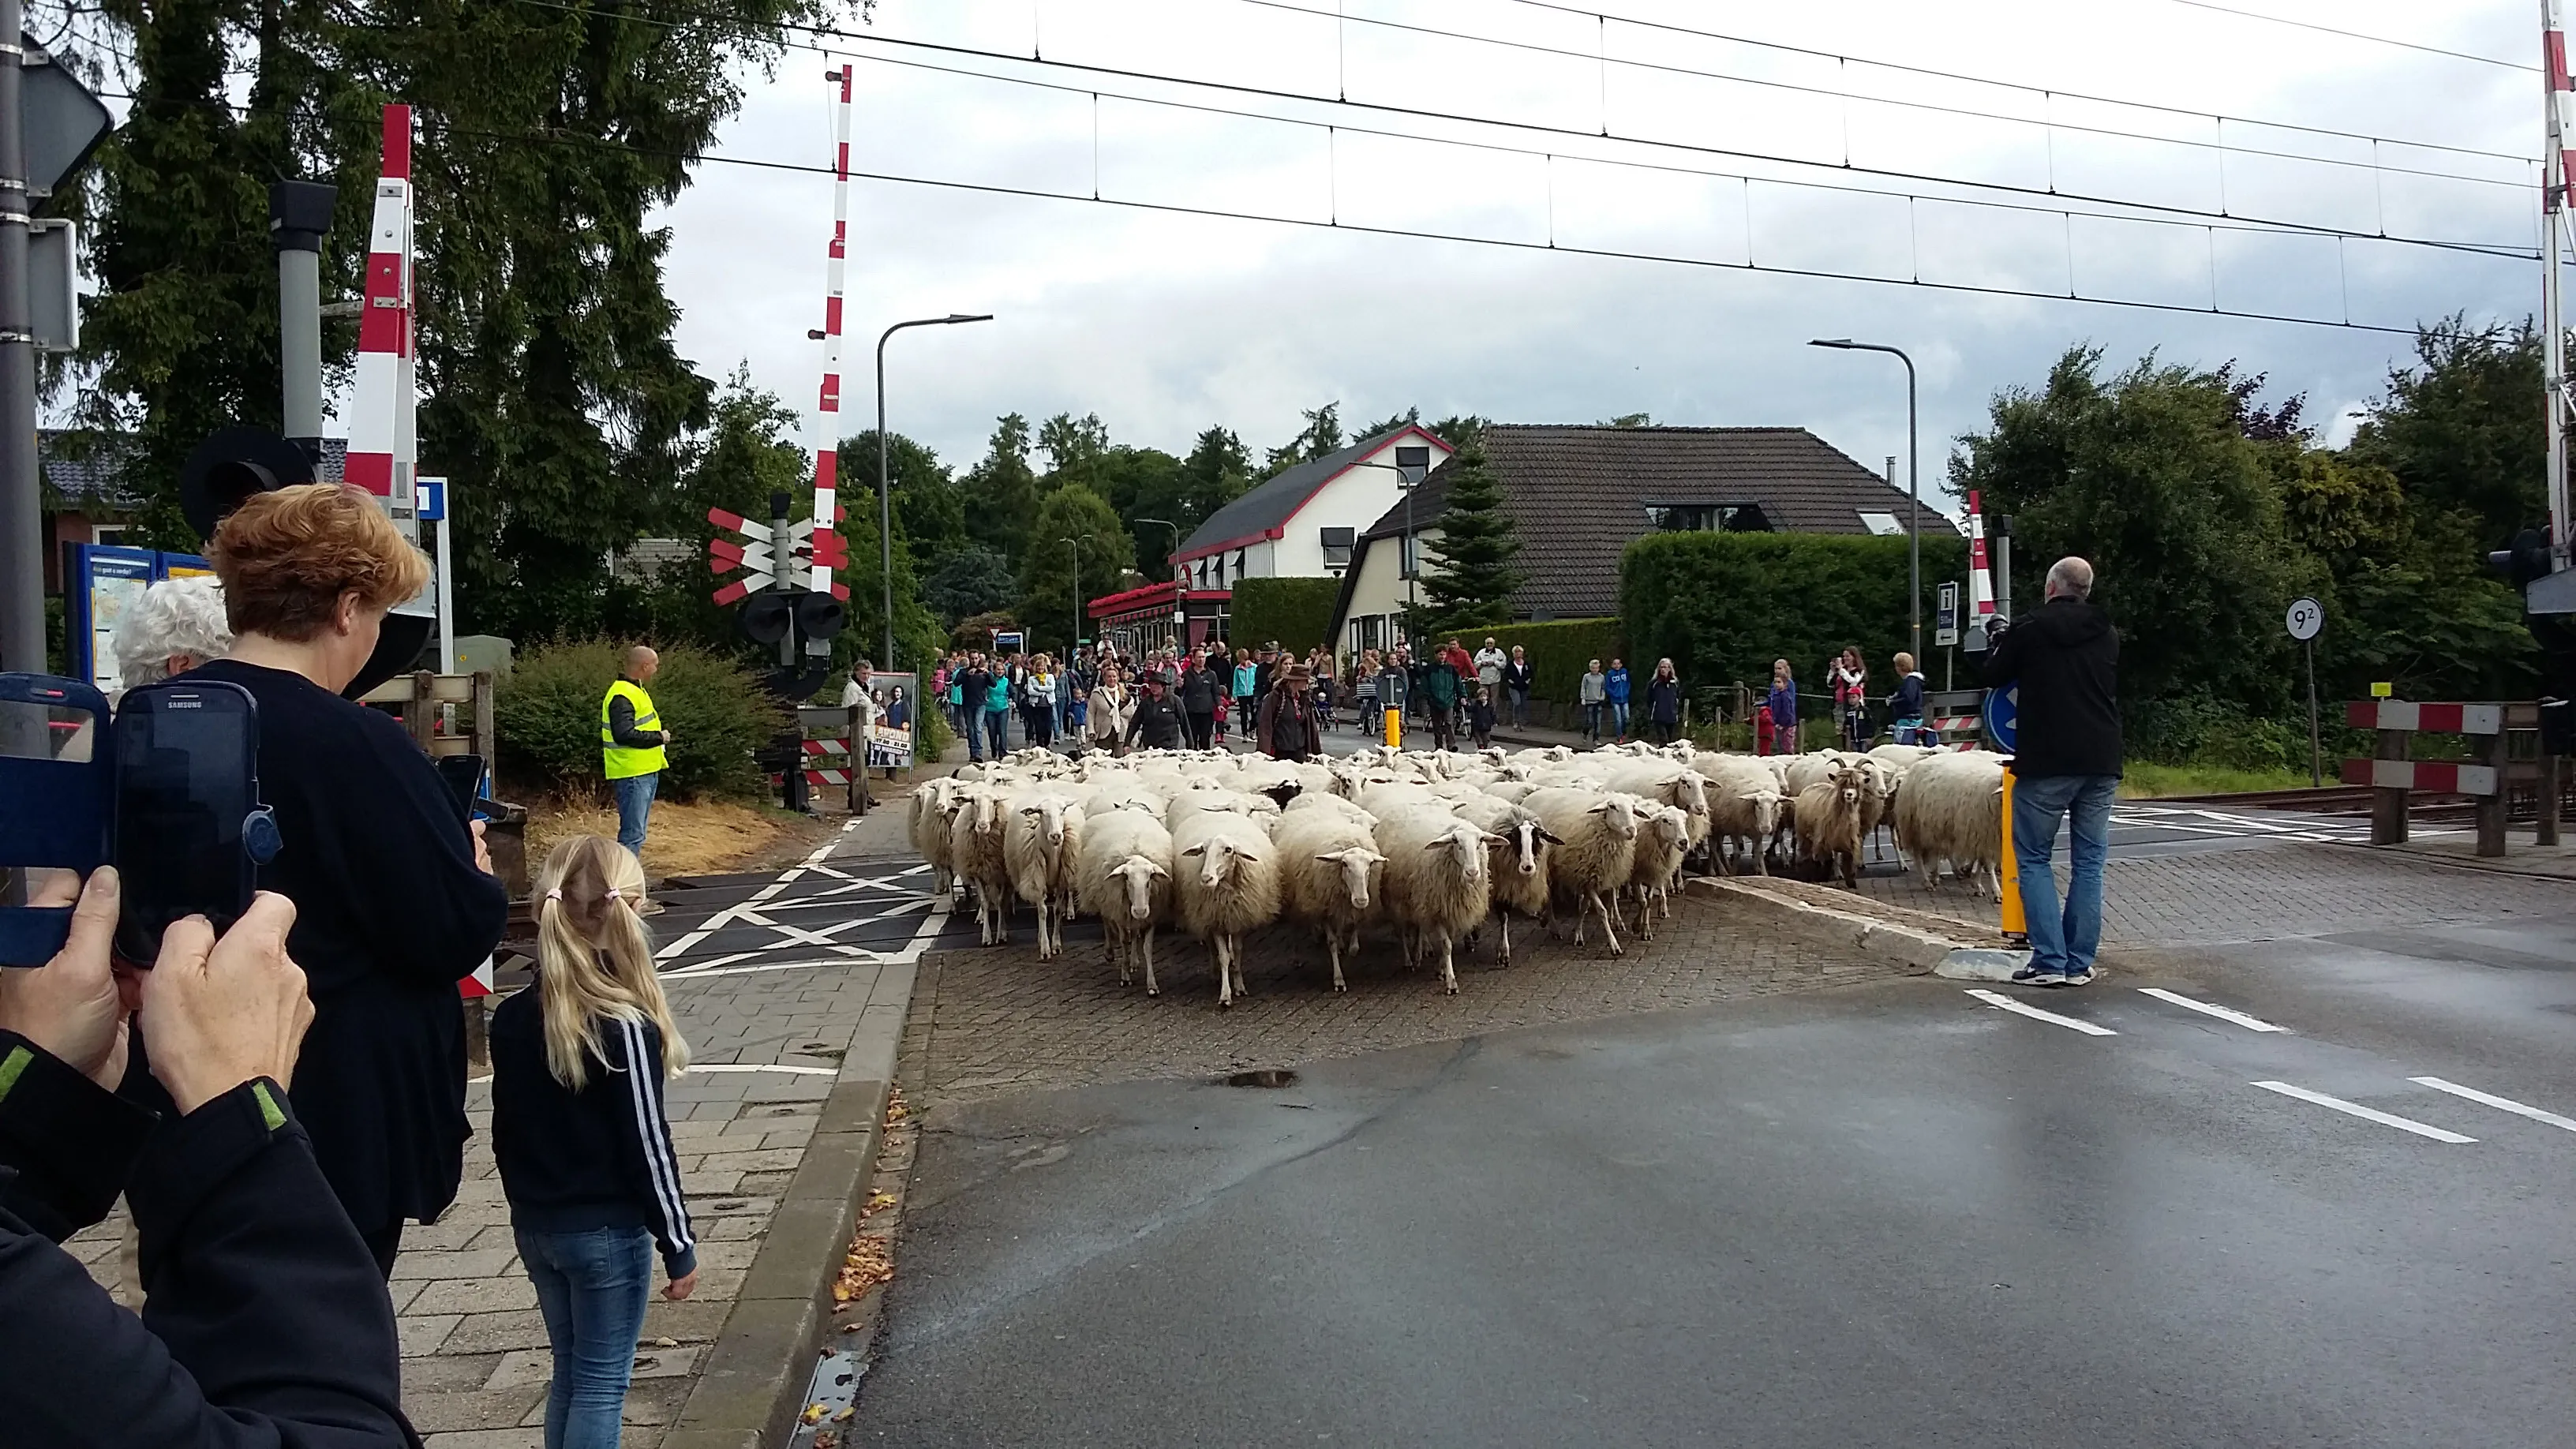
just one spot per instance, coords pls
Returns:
(1203, 697)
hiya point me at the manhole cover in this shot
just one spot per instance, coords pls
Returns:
(1266, 1077)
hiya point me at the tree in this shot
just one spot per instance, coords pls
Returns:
(1472, 582)
(1048, 602)
(929, 508)
(1322, 434)
(1075, 448)
(1002, 491)
(1456, 431)
(2460, 429)
(1627, 420)
(2149, 475)
(969, 579)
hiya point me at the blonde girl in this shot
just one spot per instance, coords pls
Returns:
(581, 1137)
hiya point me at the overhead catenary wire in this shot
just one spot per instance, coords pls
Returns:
(2310, 25)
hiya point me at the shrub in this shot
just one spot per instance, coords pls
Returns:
(547, 710)
(1557, 652)
(977, 631)
(1724, 605)
(1296, 612)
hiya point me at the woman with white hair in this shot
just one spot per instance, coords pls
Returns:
(175, 626)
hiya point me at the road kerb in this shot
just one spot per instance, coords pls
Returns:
(1918, 951)
(752, 1383)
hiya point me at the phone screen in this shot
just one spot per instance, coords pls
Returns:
(185, 783)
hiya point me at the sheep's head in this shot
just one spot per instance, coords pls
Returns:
(1359, 866)
(1048, 811)
(1523, 843)
(1848, 782)
(1669, 824)
(1766, 810)
(1691, 794)
(1138, 873)
(1218, 860)
(1468, 844)
(1618, 816)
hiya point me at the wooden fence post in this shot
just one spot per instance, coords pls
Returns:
(2388, 807)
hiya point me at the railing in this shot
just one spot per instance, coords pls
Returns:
(2507, 739)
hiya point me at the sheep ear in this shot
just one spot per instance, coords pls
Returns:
(1601, 809)
(1156, 870)
(1195, 850)
(1547, 839)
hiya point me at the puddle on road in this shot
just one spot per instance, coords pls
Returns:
(1266, 1077)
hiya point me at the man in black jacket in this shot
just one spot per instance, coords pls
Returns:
(265, 1323)
(1157, 722)
(2065, 658)
(973, 688)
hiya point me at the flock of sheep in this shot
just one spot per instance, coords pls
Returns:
(1428, 846)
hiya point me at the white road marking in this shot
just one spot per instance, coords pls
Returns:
(673, 978)
(2385, 1119)
(1997, 998)
(2501, 1104)
(2210, 1009)
(748, 1067)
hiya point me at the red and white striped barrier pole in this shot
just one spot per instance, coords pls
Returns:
(1981, 583)
(382, 409)
(2558, 172)
(827, 413)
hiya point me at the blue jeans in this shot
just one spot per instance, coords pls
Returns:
(592, 1288)
(1619, 718)
(634, 808)
(997, 727)
(2068, 942)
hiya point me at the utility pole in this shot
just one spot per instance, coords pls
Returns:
(22, 549)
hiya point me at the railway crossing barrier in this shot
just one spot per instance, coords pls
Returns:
(2508, 743)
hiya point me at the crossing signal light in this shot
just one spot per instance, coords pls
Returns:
(2526, 561)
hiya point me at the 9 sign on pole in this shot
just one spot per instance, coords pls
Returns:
(2306, 620)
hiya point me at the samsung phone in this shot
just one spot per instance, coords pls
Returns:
(57, 810)
(190, 830)
(464, 777)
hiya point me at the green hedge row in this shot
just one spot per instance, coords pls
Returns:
(1296, 612)
(1724, 605)
(547, 711)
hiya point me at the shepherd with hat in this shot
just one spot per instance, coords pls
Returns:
(1289, 728)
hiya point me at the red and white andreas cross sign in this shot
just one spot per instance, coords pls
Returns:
(809, 550)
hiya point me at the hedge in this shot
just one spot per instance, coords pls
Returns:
(547, 711)
(1724, 605)
(1296, 612)
(1557, 651)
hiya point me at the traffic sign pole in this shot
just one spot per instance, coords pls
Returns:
(2306, 620)
(22, 551)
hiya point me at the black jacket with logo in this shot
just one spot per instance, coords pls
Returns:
(2066, 657)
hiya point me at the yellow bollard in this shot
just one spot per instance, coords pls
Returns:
(2016, 926)
(1395, 729)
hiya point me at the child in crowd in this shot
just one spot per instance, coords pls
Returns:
(579, 1132)
(1480, 716)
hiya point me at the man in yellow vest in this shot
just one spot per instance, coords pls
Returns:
(631, 743)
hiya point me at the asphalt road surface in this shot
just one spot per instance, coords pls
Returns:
(1895, 1216)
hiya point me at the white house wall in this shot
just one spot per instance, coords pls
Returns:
(1357, 498)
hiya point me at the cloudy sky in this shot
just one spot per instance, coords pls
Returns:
(1721, 146)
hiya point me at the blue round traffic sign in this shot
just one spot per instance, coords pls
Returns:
(2002, 714)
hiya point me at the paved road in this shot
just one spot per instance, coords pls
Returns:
(1890, 1215)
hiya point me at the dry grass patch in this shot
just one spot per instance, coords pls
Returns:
(706, 837)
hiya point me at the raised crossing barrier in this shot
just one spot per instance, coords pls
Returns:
(2507, 738)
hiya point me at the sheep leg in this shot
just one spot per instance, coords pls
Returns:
(1505, 954)
(1151, 989)
(1448, 969)
(1607, 934)
(1119, 949)
(1224, 982)
(1234, 963)
(1333, 945)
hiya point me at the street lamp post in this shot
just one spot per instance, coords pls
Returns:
(885, 494)
(1407, 553)
(1180, 590)
(1913, 486)
(1076, 546)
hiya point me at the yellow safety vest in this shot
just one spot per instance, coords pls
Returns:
(617, 761)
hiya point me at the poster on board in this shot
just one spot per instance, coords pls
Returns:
(100, 582)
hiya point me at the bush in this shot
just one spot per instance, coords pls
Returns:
(1724, 605)
(547, 710)
(1557, 652)
(1296, 612)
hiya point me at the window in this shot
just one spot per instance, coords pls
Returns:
(1881, 523)
(1413, 464)
(107, 533)
(1240, 555)
(1706, 518)
(1220, 571)
(1411, 563)
(1338, 543)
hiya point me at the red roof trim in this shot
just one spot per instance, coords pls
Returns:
(1156, 596)
(1389, 441)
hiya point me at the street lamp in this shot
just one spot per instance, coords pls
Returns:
(1180, 589)
(1407, 553)
(1076, 546)
(885, 494)
(1913, 485)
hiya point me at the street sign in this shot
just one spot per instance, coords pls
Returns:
(2003, 716)
(431, 498)
(2307, 617)
(1009, 641)
(1945, 628)
(2382, 690)
(63, 122)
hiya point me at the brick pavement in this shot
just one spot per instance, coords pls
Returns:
(987, 1021)
(2290, 889)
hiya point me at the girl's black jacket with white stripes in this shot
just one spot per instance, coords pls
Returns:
(597, 1158)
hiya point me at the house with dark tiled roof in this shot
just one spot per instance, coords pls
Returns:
(88, 497)
(1302, 522)
(1578, 496)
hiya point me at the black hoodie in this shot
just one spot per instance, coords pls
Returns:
(2067, 658)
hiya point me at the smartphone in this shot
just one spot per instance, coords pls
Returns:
(464, 777)
(57, 808)
(190, 830)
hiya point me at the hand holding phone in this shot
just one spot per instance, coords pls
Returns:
(218, 1013)
(190, 830)
(70, 1006)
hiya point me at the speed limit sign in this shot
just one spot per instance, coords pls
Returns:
(2307, 617)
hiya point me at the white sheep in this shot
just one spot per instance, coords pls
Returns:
(1225, 883)
(1316, 801)
(1124, 877)
(1519, 864)
(975, 851)
(1041, 837)
(1329, 869)
(1597, 835)
(1828, 819)
(1438, 883)
(934, 809)
(1663, 840)
(1950, 808)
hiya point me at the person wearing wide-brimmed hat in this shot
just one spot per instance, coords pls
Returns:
(1289, 728)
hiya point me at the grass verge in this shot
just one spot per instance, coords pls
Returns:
(2142, 781)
